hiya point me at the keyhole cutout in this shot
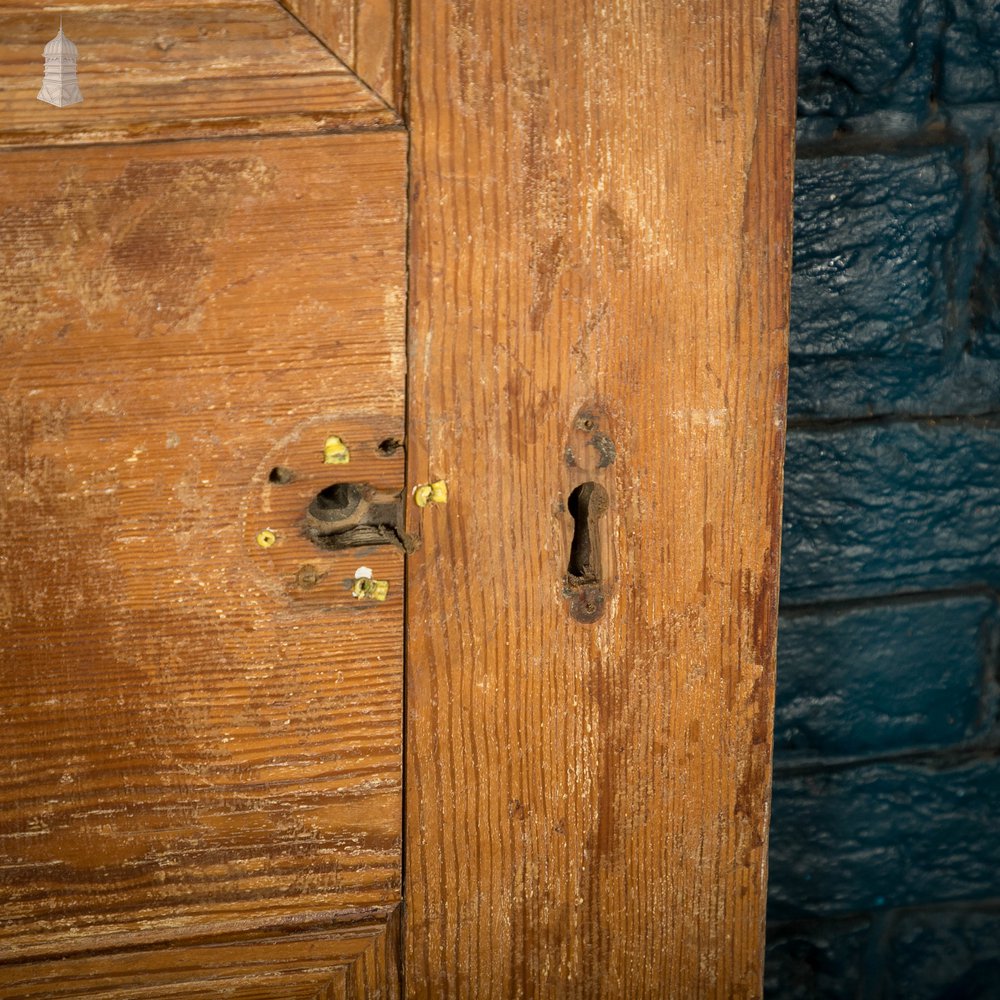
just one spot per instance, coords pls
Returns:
(588, 504)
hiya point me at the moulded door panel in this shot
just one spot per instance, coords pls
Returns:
(204, 306)
(201, 724)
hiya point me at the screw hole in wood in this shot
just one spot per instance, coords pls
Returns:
(280, 475)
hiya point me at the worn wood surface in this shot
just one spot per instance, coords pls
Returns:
(366, 35)
(199, 735)
(599, 246)
(176, 69)
(353, 962)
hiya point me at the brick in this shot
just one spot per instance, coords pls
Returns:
(874, 237)
(848, 388)
(944, 952)
(884, 677)
(969, 70)
(985, 292)
(815, 960)
(883, 835)
(885, 508)
(863, 59)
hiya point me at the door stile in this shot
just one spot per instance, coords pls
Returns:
(600, 204)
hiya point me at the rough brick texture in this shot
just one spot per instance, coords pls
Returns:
(868, 837)
(852, 387)
(926, 947)
(886, 260)
(885, 858)
(873, 235)
(970, 72)
(984, 338)
(867, 62)
(816, 960)
(875, 509)
(886, 676)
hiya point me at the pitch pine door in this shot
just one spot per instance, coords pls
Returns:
(285, 265)
(204, 282)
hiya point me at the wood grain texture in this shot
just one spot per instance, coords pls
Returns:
(600, 199)
(198, 734)
(355, 962)
(174, 70)
(366, 35)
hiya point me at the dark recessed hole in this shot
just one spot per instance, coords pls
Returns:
(355, 515)
(587, 504)
(389, 446)
(280, 475)
(336, 502)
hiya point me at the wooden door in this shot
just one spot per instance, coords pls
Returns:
(599, 300)
(207, 270)
(203, 285)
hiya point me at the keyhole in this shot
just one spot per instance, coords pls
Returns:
(588, 503)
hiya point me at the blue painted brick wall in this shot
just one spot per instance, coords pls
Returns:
(925, 948)
(887, 834)
(816, 960)
(885, 837)
(875, 239)
(875, 508)
(886, 676)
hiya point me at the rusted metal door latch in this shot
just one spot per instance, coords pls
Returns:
(349, 515)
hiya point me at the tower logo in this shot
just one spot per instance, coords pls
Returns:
(59, 86)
